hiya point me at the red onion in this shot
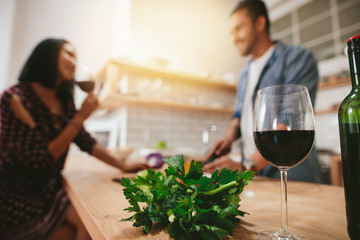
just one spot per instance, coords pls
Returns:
(155, 160)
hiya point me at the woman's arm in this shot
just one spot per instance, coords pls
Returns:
(59, 145)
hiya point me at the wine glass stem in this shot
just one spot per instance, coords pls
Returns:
(284, 232)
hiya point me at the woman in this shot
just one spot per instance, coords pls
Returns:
(38, 123)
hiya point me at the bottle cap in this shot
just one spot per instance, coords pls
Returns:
(357, 36)
(353, 44)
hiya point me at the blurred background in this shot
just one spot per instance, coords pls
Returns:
(169, 67)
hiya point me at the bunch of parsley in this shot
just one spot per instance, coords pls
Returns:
(192, 205)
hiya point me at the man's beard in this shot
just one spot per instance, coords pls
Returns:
(65, 91)
(247, 51)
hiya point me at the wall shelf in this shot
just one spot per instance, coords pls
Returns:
(333, 84)
(132, 68)
(334, 109)
(116, 70)
(116, 101)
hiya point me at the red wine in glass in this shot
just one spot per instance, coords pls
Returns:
(86, 86)
(283, 148)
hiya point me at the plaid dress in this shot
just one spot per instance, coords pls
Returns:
(33, 202)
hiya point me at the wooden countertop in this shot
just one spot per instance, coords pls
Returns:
(315, 211)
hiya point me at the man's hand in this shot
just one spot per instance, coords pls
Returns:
(223, 146)
(220, 148)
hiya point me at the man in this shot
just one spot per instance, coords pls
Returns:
(272, 63)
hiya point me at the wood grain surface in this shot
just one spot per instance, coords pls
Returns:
(315, 211)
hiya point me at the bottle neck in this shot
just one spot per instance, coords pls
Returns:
(354, 61)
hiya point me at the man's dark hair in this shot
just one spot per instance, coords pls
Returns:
(255, 8)
(42, 64)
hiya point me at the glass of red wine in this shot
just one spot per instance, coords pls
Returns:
(83, 79)
(284, 135)
(86, 86)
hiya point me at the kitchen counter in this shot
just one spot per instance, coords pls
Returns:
(315, 211)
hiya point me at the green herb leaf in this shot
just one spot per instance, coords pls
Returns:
(192, 205)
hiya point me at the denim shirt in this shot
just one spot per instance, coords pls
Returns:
(287, 65)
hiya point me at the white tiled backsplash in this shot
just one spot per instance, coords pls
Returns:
(176, 127)
(140, 127)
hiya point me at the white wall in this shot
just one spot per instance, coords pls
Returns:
(98, 29)
(7, 10)
(192, 35)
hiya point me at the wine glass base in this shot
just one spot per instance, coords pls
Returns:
(274, 235)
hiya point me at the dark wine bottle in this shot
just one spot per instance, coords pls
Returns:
(349, 125)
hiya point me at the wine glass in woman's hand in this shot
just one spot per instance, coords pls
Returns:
(84, 79)
(284, 135)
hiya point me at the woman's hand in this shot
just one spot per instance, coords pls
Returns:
(118, 161)
(135, 167)
(90, 104)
